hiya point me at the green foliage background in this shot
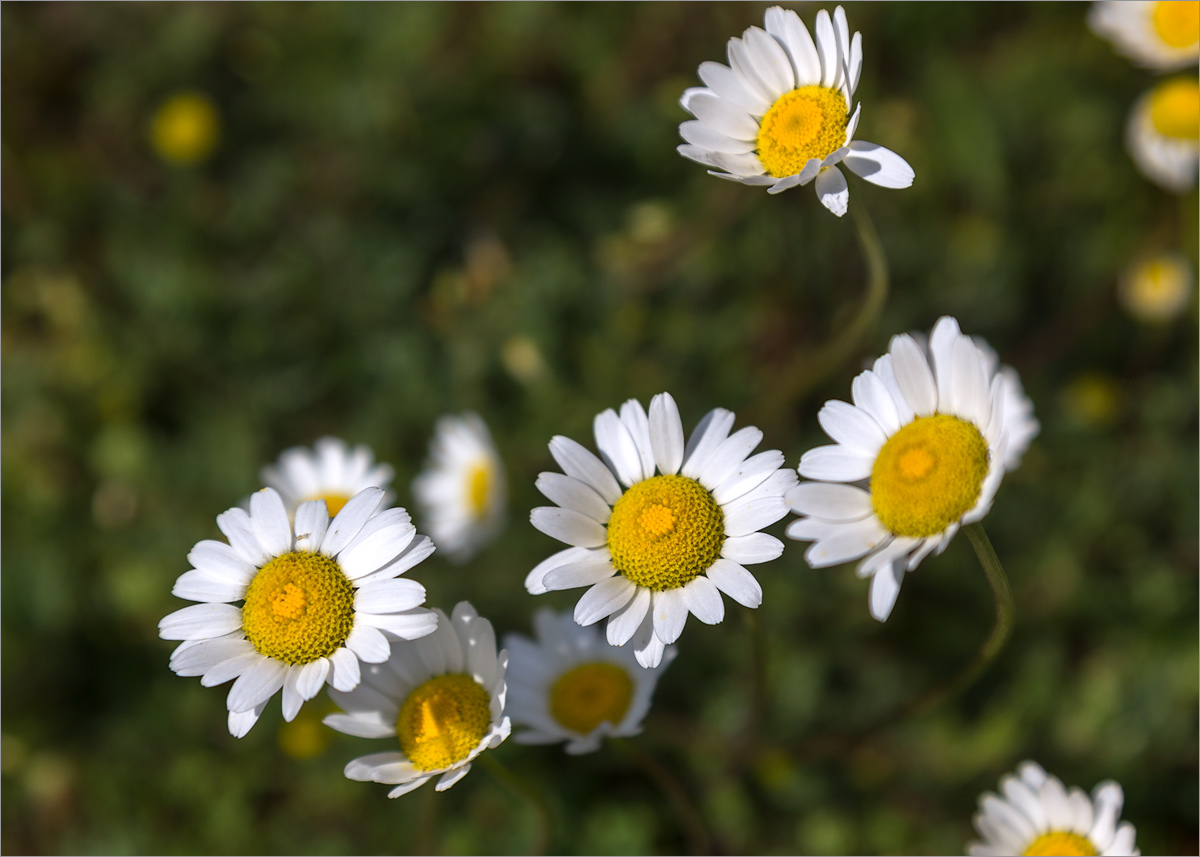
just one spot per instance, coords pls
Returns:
(417, 209)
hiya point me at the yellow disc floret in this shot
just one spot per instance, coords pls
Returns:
(590, 694)
(478, 480)
(809, 122)
(1177, 22)
(928, 475)
(299, 607)
(333, 502)
(1175, 108)
(664, 531)
(1061, 844)
(443, 720)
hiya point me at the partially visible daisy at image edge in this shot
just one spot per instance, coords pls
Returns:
(569, 685)
(331, 471)
(1037, 815)
(919, 453)
(1163, 133)
(1160, 34)
(779, 115)
(463, 492)
(319, 597)
(654, 548)
(442, 697)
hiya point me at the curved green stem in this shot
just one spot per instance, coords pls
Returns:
(690, 819)
(530, 794)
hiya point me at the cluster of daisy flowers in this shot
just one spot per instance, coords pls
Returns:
(311, 586)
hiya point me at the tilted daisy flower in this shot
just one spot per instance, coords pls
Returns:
(570, 685)
(1037, 815)
(462, 492)
(1160, 35)
(330, 471)
(318, 597)
(920, 453)
(1156, 288)
(662, 545)
(441, 697)
(1163, 133)
(779, 114)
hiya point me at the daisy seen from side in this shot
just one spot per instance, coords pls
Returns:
(442, 697)
(654, 547)
(919, 453)
(331, 471)
(463, 492)
(569, 685)
(1036, 814)
(779, 115)
(319, 597)
(1160, 34)
(1163, 133)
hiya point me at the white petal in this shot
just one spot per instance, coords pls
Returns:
(850, 542)
(1123, 840)
(389, 596)
(835, 464)
(723, 116)
(648, 649)
(1081, 810)
(312, 677)
(418, 549)
(851, 427)
(832, 189)
(231, 668)
(830, 502)
(851, 127)
(878, 165)
(699, 134)
(666, 433)
(886, 373)
(772, 64)
(726, 458)
(346, 675)
(604, 599)
(200, 622)
(855, 63)
(202, 586)
(670, 612)
(292, 700)
(479, 644)
(1025, 799)
(221, 561)
(828, 50)
(736, 582)
(810, 529)
(894, 552)
(240, 722)
(569, 526)
(739, 60)
(1008, 816)
(885, 586)
(623, 624)
(706, 437)
(1054, 800)
(969, 383)
(350, 520)
(751, 549)
(747, 476)
(786, 183)
(534, 580)
(739, 165)
(312, 520)
(786, 26)
(913, 375)
(380, 541)
(451, 777)
(703, 599)
(359, 728)
(368, 643)
(752, 512)
(633, 417)
(412, 624)
(206, 654)
(579, 574)
(1108, 800)
(256, 685)
(270, 522)
(578, 462)
(236, 526)
(871, 394)
(722, 80)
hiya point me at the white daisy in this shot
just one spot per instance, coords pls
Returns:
(462, 492)
(1156, 288)
(1161, 35)
(570, 685)
(1037, 815)
(664, 545)
(779, 114)
(920, 453)
(318, 598)
(1163, 131)
(330, 471)
(441, 696)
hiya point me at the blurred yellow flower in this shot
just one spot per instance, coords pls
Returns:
(1092, 399)
(185, 128)
(1158, 35)
(306, 737)
(1155, 289)
(1163, 133)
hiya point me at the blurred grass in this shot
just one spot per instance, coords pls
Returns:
(415, 209)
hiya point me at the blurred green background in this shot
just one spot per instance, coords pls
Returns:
(416, 209)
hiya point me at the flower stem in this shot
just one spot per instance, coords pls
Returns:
(529, 793)
(689, 816)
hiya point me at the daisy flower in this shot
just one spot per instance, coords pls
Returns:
(1156, 289)
(1162, 133)
(920, 453)
(653, 548)
(462, 492)
(570, 685)
(1161, 35)
(1037, 815)
(318, 597)
(779, 114)
(441, 697)
(330, 471)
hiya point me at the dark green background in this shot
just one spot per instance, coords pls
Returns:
(404, 195)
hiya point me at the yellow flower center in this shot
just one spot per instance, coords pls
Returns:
(1061, 844)
(591, 694)
(185, 128)
(809, 122)
(664, 531)
(333, 502)
(1177, 22)
(1158, 289)
(478, 480)
(1175, 108)
(443, 720)
(928, 475)
(299, 607)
